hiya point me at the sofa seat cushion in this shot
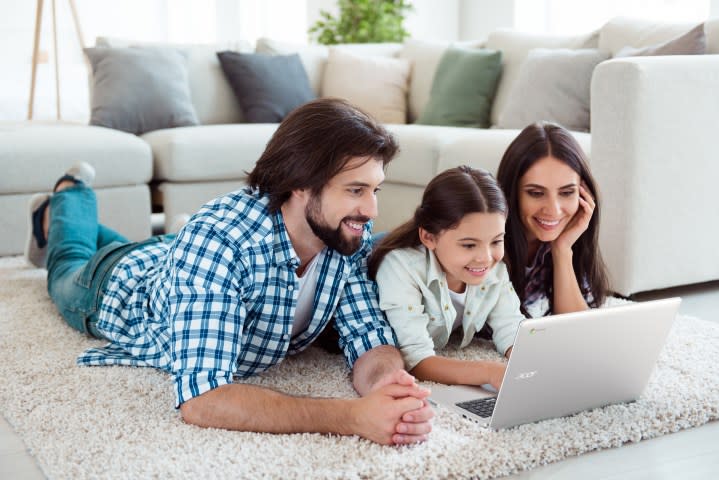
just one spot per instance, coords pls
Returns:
(33, 156)
(419, 148)
(485, 149)
(208, 152)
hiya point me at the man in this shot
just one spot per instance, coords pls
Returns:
(254, 276)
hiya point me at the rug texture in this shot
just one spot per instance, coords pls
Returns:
(119, 422)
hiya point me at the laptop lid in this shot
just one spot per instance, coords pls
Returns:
(563, 364)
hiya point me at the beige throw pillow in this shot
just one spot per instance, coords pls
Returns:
(377, 85)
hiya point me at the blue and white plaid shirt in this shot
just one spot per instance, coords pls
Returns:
(220, 300)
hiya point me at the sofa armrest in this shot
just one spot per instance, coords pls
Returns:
(655, 126)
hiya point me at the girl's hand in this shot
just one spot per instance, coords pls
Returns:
(495, 371)
(579, 222)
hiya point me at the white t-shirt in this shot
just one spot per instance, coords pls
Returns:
(308, 286)
(458, 300)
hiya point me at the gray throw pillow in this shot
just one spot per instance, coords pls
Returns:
(552, 85)
(694, 42)
(138, 90)
(268, 87)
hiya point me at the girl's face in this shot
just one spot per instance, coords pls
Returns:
(468, 252)
(548, 198)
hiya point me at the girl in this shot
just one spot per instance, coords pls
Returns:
(552, 248)
(442, 271)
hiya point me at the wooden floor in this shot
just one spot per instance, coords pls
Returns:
(690, 455)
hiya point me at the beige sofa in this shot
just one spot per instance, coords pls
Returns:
(650, 147)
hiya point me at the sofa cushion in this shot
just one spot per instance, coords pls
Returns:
(31, 158)
(515, 47)
(424, 58)
(416, 162)
(485, 149)
(314, 57)
(208, 152)
(621, 32)
(377, 85)
(138, 90)
(693, 42)
(552, 85)
(210, 91)
(463, 88)
(268, 87)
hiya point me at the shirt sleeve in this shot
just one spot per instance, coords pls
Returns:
(401, 300)
(205, 313)
(360, 322)
(506, 315)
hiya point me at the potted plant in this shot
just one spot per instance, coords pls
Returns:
(363, 21)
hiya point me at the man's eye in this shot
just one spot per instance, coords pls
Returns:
(355, 191)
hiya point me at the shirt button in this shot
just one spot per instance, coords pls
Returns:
(409, 308)
(468, 312)
(286, 336)
(483, 288)
(290, 287)
(446, 307)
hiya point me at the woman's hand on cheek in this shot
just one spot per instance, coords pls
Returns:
(579, 222)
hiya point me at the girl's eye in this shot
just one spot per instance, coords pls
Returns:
(534, 193)
(468, 246)
(567, 193)
(498, 242)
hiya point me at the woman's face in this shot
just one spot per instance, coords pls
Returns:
(548, 198)
(468, 252)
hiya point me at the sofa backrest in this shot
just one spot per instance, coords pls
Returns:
(623, 32)
(212, 96)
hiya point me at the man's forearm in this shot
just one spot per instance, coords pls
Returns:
(373, 365)
(256, 409)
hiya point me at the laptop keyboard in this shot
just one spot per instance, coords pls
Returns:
(482, 407)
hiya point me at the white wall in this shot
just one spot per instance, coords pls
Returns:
(479, 17)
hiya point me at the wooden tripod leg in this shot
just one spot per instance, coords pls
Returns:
(57, 62)
(35, 52)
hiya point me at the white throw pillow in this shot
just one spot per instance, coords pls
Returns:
(552, 85)
(515, 47)
(377, 85)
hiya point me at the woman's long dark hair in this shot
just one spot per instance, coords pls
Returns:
(447, 198)
(535, 142)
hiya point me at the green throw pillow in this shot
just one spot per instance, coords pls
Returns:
(463, 88)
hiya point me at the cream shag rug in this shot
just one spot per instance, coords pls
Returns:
(119, 422)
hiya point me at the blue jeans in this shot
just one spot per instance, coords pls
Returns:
(81, 253)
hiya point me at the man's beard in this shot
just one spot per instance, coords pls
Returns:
(333, 238)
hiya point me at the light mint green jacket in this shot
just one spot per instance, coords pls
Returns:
(414, 295)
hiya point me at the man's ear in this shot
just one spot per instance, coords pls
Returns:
(302, 194)
(427, 239)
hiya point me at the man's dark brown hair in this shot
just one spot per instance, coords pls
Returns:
(313, 144)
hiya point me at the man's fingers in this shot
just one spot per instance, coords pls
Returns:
(424, 414)
(401, 391)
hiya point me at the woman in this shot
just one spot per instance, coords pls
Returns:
(442, 272)
(552, 250)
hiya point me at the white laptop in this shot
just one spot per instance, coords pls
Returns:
(563, 364)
